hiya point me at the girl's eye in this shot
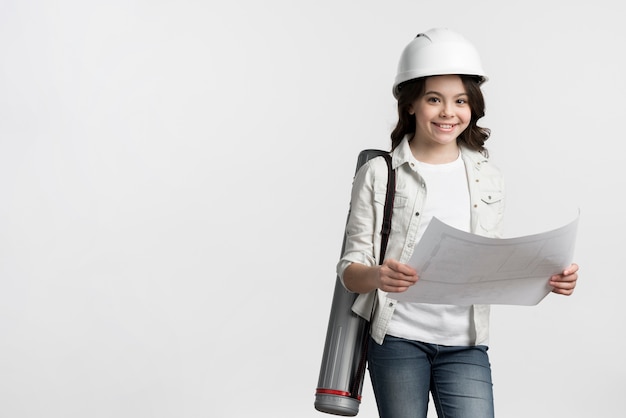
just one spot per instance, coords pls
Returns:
(461, 101)
(433, 100)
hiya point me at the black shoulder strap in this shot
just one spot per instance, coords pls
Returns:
(391, 189)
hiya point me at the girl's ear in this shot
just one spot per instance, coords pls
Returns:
(411, 110)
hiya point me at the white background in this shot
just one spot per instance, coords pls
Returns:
(175, 178)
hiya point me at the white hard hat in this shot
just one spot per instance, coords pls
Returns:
(438, 52)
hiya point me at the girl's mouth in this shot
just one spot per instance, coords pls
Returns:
(444, 125)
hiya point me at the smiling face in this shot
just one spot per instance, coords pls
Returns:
(441, 113)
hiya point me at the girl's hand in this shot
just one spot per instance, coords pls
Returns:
(564, 283)
(396, 277)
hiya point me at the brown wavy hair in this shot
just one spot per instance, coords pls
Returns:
(473, 137)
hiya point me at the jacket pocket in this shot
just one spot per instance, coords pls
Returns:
(399, 214)
(491, 212)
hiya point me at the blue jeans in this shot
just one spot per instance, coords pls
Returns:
(403, 372)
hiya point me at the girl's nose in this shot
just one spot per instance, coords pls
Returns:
(446, 111)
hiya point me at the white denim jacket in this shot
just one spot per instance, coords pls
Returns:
(363, 230)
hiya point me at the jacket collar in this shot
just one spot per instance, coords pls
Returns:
(403, 155)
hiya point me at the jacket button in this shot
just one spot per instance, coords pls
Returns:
(417, 214)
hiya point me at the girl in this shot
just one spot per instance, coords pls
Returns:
(442, 170)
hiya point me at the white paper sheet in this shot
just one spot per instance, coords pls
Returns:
(459, 268)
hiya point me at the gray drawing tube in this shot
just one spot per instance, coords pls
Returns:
(344, 360)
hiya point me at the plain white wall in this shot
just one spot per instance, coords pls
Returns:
(175, 177)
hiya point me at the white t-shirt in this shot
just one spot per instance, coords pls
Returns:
(447, 198)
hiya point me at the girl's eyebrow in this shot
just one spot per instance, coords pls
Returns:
(439, 94)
